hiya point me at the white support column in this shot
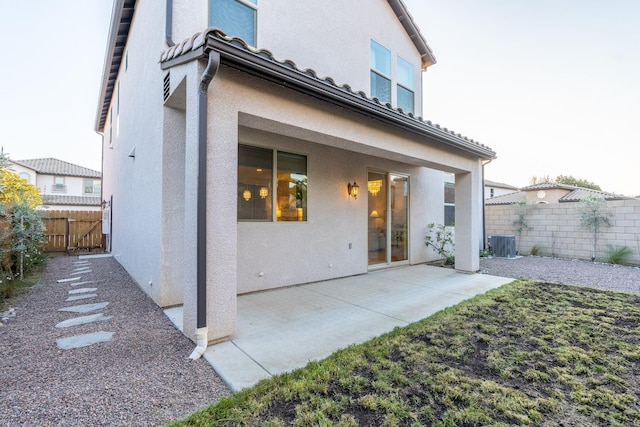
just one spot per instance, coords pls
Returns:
(468, 219)
(189, 290)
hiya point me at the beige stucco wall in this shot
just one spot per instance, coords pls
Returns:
(297, 30)
(555, 227)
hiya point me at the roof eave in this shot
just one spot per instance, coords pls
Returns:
(121, 17)
(235, 53)
(410, 26)
(256, 64)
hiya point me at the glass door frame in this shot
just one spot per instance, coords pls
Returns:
(386, 218)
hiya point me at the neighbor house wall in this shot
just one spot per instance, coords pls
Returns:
(556, 229)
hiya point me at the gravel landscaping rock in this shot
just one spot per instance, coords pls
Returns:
(141, 377)
(568, 271)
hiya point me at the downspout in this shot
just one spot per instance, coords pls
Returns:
(201, 256)
(484, 210)
(168, 27)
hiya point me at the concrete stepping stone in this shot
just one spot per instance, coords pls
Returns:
(84, 308)
(81, 270)
(79, 297)
(82, 290)
(75, 321)
(70, 279)
(83, 340)
(86, 282)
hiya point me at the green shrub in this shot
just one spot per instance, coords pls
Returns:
(536, 249)
(618, 254)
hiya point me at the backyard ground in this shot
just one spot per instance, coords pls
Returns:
(529, 353)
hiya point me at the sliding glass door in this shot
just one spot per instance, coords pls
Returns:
(388, 222)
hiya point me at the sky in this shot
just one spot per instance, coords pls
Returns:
(553, 86)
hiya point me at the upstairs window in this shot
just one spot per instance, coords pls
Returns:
(92, 186)
(380, 72)
(405, 86)
(58, 185)
(237, 18)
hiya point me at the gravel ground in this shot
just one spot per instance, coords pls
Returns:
(569, 271)
(141, 377)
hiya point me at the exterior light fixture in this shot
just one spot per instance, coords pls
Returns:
(353, 189)
(246, 194)
(264, 192)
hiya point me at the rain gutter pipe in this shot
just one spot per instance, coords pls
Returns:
(168, 27)
(201, 256)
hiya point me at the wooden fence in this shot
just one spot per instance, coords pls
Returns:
(73, 231)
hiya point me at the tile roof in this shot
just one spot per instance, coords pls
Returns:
(489, 183)
(51, 166)
(580, 193)
(263, 60)
(507, 199)
(548, 186)
(55, 199)
(575, 194)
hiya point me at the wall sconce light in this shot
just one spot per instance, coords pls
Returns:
(353, 189)
(246, 194)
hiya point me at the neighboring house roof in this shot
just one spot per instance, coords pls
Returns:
(488, 183)
(580, 193)
(122, 16)
(51, 166)
(260, 62)
(548, 186)
(55, 199)
(575, 194)
(507, 199)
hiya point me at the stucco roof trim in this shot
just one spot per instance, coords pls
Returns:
(237, 54)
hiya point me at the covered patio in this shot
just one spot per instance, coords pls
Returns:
(284, 329)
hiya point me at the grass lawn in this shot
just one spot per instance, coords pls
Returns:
(528, 353)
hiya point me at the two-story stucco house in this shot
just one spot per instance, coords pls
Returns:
(250, 145)
(62, 185)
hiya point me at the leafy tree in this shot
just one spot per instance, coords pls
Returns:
(583, 183)
(21, 226)
(594, 215)
(540, 179)
(15, 190)
(566, 180)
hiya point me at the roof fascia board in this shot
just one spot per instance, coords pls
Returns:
(401, 11)
(289, 76)
(110, 59)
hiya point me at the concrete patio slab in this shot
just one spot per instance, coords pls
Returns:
(284, 329)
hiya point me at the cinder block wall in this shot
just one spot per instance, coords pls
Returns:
(555, 228)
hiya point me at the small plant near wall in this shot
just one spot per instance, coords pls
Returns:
(618, 254)
(594, 215)
(521, 222)
(536, 249)
(441, 239)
